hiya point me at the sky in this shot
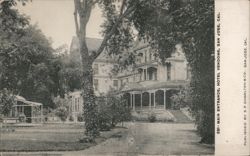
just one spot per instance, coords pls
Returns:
(55, 19)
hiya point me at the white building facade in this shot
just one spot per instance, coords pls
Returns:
(149, 83)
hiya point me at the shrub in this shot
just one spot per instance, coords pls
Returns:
(71, 118)
(104, 120)
(80, 118)
(111, 111)
(151, 117)
(6, 102)
(62, 113)
(181, 99)
(1, 118)
(22, 118)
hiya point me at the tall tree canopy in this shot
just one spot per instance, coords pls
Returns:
(28, 66)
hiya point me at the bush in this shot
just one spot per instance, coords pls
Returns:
(62, 113)
(111, 111)
(6, 102)
(151, 117)
(181, 99)
(22, 118)
(80, 118)
(1, 118)
(71, 118)
(104, 120)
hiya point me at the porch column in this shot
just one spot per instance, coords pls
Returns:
(16, 111)
(146, 73)
(31, 113)
(154, 99)
(41, 113)
(149, 100)
(141, 100)
(133, 101)
(164, 94)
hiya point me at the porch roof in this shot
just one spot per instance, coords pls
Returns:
(154, 86)
(26, 102)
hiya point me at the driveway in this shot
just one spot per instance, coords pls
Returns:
(151, 139)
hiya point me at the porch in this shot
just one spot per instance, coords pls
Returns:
(151, 99)
(31, 112)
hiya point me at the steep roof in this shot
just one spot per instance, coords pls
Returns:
(92, 43)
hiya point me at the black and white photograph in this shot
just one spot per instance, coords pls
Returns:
(109, 77)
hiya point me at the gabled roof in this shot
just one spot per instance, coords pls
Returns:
(92, 43)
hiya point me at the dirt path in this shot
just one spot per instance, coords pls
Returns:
(152, 139)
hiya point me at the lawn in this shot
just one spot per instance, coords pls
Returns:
(49, 137)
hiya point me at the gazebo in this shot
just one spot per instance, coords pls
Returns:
(33, 111)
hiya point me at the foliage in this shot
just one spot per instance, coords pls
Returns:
(62, 110)
(6, 102)
(80, 118)
(112, 110)
(71, 118)
(28, 66)
(60, 102)
(62, 113)
(70, 74)
(182, 98)
(151, 117)
(22, 118)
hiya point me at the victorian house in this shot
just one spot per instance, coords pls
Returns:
(148, 84)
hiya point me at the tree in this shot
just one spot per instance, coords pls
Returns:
(62, 113)
(28, 66)
(114, 21)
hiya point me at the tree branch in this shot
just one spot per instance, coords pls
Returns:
(76, 19)
(122, 7)
(111, 32)
(93, 2)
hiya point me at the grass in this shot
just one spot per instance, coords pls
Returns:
(49, 137)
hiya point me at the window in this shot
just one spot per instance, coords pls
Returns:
(115, 83)
(127, 80)
(95, 84)
(96, 69)
(168, 71)
(146, 59)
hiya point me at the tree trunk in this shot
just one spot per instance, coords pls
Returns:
(90, 107)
